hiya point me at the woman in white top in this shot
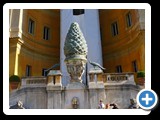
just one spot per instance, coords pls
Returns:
(101, 105)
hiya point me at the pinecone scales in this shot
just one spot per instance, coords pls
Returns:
(75, 43)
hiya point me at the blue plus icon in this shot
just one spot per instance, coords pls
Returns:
(147, 99)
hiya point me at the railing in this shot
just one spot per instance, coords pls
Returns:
(111, 77)
(105, 77)
(117, 77)
(34, 81)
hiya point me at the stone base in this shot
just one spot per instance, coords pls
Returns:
(75, 85)
(95, 70)
(55, 96)
(92, 85)
(100, 84)
(121, 94)
(53, 87)
(75, 90)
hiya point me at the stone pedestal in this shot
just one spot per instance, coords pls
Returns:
(76, 90)
(54, 88)
(96, 87)
(54, 98)
(54, 78)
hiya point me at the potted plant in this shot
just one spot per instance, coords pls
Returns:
(140, 77)
(14, 81)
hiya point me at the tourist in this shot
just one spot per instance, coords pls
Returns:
(18, 105)
(107, 106)
(101, 105)
(134, 104)
(112, 106)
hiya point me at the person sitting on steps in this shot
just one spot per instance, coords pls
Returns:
(101, 105)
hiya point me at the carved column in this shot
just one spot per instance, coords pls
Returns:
(75, 50)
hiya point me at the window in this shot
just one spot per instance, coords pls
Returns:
(114, 28)
(44, 72)
(119, 69)
(134, 64)
(129, 19)
(28, 70)
(101, 33)
(31, 26)
(46, 33)
(78, 11)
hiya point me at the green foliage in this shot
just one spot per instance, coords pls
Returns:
(14, 78)
(140, 74)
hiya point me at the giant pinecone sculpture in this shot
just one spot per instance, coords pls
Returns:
(75, 43)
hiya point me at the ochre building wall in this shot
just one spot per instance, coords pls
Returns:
(127, 46)
(33, 50)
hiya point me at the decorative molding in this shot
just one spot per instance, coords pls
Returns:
(126, 49)
(36, 55)
(26, 37)
(28, 50)
(52, 12)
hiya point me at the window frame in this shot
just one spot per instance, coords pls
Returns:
(44, 73)
(76, 12)
(135, 66)
(114, 28)
(31, 27)
(119, 69)
(48, 35)
(129, 19)
(28, 70)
